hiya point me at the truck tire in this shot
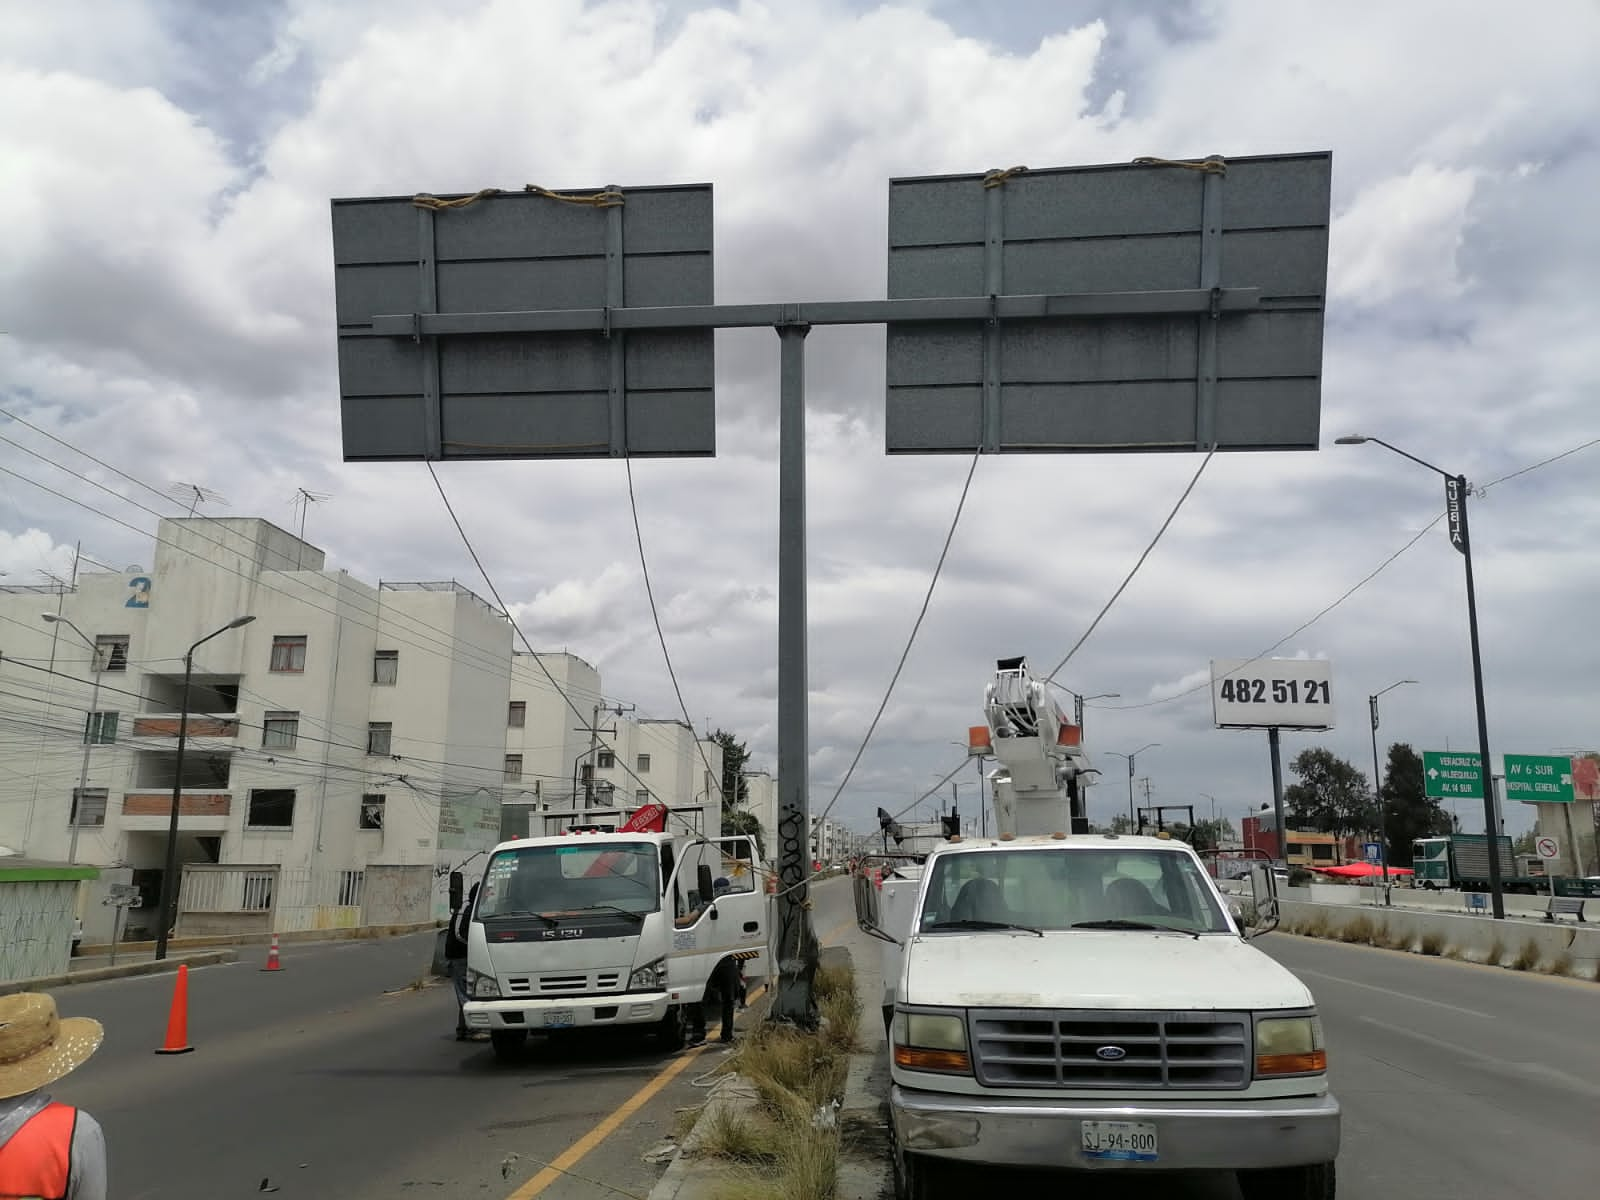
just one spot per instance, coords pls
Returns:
(1312, 1182)
(912, 1178)
(669, 1030)
(508, 1043)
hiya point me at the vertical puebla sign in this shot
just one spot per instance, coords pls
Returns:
(1455, 509)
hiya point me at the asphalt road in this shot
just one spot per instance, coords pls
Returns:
(335, 1077)
(1458, 1082)
(338, 1077)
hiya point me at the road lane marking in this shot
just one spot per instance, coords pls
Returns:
(1530, 1071)
(575, 1153)
(1471, 1012)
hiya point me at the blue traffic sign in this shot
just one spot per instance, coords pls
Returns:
(1374, 852)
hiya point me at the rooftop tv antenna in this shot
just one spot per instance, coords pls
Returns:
(195, 495)
(303, 500)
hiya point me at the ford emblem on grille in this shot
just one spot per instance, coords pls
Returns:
(1111, 1053)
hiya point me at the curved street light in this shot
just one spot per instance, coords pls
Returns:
(1455, 499)
(1132, 822)
(168, 914)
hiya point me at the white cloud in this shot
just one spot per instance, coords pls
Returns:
(171, 311)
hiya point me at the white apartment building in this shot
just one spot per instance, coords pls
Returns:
(346, 749)
(761, 798)
(631, 763)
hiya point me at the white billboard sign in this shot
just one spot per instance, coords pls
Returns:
(1259, 693)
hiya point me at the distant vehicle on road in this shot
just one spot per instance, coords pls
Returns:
(1461, 860)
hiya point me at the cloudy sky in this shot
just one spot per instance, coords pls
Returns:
(167, 305)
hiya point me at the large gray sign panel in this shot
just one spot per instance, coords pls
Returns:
(579, 393)
(1240, 375)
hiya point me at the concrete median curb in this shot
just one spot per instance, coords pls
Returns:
(358, 932)
(46, 983)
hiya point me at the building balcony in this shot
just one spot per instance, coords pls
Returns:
(200, 810)
(162, 728)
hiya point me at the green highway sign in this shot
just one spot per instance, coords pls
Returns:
(1539, 778)
(1452, 775)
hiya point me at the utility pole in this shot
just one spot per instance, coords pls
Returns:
(594, 729)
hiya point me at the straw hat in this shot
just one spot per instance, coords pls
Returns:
(37, 1047)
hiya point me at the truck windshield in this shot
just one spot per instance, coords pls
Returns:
(571, 879)
(1066, 889)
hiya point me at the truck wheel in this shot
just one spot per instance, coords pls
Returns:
(1313, 1182)
(912, 1178)
(508, 1043)
(670, 1031)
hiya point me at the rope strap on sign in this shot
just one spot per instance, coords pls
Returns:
(997, 177)
(1210, 166)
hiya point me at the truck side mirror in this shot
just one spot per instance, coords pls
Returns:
(702, 877)
(457, 890)
(1261, 915)
(869, 914)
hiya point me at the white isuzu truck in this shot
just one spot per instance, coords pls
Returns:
(1060, 998)
(592, 929)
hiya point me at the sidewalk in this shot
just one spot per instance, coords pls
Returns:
(93, 968)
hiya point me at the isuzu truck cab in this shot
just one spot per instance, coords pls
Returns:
(586, 930)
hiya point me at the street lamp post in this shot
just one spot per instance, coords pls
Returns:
(1077, 707)
(1455, 496)
(88, 732)
(1377, 791)
(1133, 824)
(169, 883)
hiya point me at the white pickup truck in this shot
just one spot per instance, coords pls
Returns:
(1091, 1002)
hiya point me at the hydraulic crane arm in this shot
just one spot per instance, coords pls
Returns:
(1038, 778)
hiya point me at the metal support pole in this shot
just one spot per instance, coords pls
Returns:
(1377, 793)
(169, 884)
(797, 943)
(1456, 495)
(83, 771)
(1277, 796)
(1133, 825)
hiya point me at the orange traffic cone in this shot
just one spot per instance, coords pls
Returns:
(178, 1018)
(272, 956)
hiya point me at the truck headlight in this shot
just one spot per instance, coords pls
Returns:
(481, 986)
(931, 1042)
(649, 977)
(1290, 1046)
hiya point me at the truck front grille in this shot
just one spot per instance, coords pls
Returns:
(1179, 1051)
(565, 985)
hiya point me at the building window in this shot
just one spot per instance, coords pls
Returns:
(350, 888)
(111, 651)
(517, 715)
(270, 808)
(642, 796)
(385, 667)
(372, 810)
(607, 760)
(644, 763)
(513, 768)
(289, 653)
(380, 736)
(279, 730)
(100, 729)
(89, 806)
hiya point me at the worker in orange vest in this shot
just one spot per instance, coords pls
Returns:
(48, 1151)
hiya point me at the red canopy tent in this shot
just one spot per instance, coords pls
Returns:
(1361, 870)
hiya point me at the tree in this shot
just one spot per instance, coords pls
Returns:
(1210, 835)
(1408, 812)
(735, 791)
(738, 822)
(1121, 824)
(1331, 795)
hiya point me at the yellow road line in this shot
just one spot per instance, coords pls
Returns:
(575, 1153)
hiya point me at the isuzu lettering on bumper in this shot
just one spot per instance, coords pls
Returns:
(1192, 1134)
(568, 1012)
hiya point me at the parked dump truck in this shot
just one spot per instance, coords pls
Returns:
(1461, 860)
